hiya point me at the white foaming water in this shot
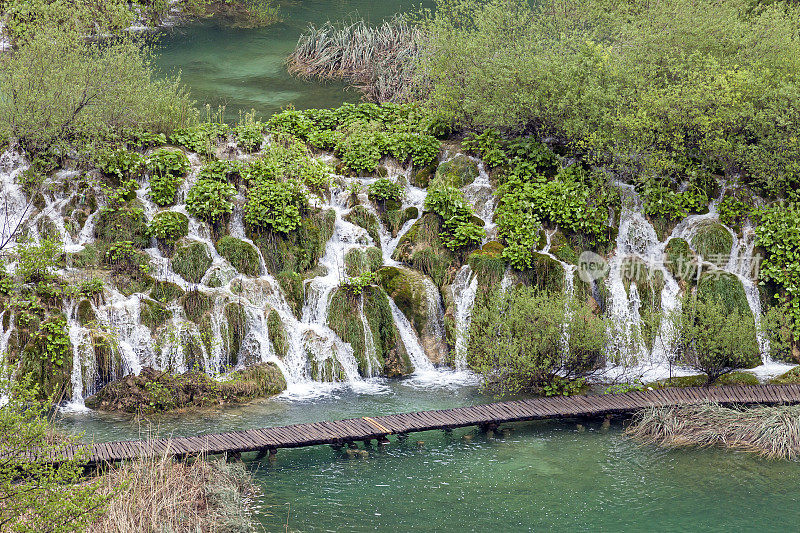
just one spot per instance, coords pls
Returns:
(464, 288)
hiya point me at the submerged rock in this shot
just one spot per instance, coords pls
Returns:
(156, 391)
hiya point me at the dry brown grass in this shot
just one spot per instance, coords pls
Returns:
(772, 432)
(162, 495)
(379, 61)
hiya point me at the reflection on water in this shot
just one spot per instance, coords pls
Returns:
(245, 69)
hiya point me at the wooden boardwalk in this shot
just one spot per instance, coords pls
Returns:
(340, 432)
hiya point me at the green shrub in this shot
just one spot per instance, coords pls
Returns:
(168, 227)
(167, 169)
(249, 133)
(121, 164)
(460, 228)
(218, 170)
(200, 138)
(276, 206)
(210, 200)
(385, 189)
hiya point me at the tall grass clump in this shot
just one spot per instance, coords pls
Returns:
(165, 495)
(378, 60)
(772, 432)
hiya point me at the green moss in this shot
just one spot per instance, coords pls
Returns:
(165, 291)
(726, 288)
(422, 248)
(732, 378)
(680, 260)
(47, 229)
(422, 177)
(395, 219)
(343, 318)
(191, 260)
(153, 391)
(107, 359)
(649, 283)
(86, 314)
(407, 288)
(90, 256)
(561, 248)
(193, 354)
(301, 249)
(292, 286)
(361, 216)
(545, 273)
(132, 282)
(126, 223)
(457, 172)
(243, 256)
(277, 334)
(374, 258)
(235, 331)
(328, 369)
(153, 314)
(196, 305)
(46, 356)
(489, 266)
(355, 262)
(713, 242)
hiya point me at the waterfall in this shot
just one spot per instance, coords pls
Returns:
(464, 287)
(370, 353)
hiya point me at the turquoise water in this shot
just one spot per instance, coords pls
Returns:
(244, 69)
(540, 476)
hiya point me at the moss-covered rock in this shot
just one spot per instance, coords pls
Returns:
(126, 223)
(242, 255)
(563, 249)
(713, 242)
(107, 360)
(457, 172)
(46, 356)
(155, 391)
(726, 288)
(362, 216)
(649, 283)
(153, 314)
(545, 273)
(300, 250)
(191, 260)
(732, 378)
(395, 219)
(418, 299)
(792, 377)
(680, 260)
(196, 304)
(166, 291)
(236, 328)
(86, 314)
(421, 248)
(277, 334)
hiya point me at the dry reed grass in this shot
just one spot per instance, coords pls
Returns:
(772, 432)
(380, 61)
(163, 495)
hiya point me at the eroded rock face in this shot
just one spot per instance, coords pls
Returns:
(156, 391)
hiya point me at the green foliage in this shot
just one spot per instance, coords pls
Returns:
(733, 211)
(661, 201)
(200, 138)
(355, 285)
(61, 91)
(649, 88)
(167, 169)
(715, 339)
(277, 206)
(460, 229)
(121, 164)
(218, 170)
(779, 234)
(516, 342)
(37, 261)
(385, 189)
(249, 132)
(210, 200)
(563, 387)
(124, 257)
(39, 494)
(622, 388)
(168, 227)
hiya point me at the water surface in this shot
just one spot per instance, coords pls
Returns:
(245, 69)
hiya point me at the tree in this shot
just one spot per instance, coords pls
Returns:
(527, 339)
(715, 339)
(59, 90)
(36, 493)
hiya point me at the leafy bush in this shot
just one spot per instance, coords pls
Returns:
(122, 164)
(200, 138)
(36, 260)
(361, 151)
(422, 149)
(716, 339)
(459, 222)
(385, 189)
(355, 285)
(249, 133)
(167, 169)
(218, 170)
(276, 206)
(516, 341)
(733, 211)
(168, 227)
(210, 200)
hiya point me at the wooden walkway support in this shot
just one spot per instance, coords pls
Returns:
(341, 432)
